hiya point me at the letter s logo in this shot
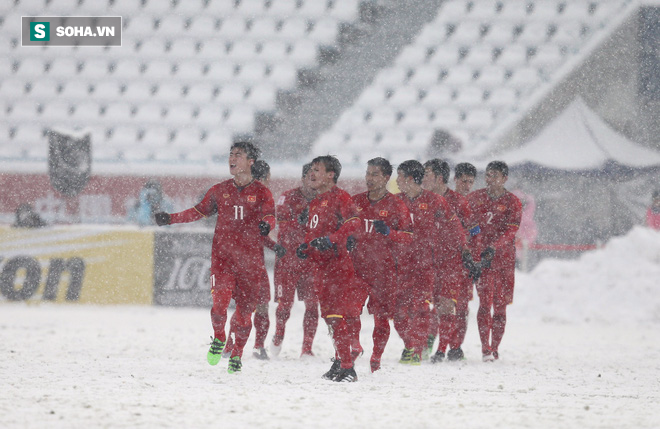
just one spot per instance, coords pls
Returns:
(39, 31)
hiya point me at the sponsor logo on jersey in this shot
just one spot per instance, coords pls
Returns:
(382, 213)
(225, 195)
(324, 203)
(501, 208)
(252, 198)
(359, 209)
(423, 206)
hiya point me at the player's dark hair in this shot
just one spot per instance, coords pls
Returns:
(656, 194)
(465, 169)
(250, 150)
(331, 163)
(498, 166)
(306, 169)
(260, 170)
(383, 164)
(439, 168)
(412, 168)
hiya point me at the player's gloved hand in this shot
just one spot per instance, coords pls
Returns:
(474, 269)
(303, 217)
(381, 228)
(351, 243)
(321, 243)
(300, 251)
(162, 218)
(264, 227)
(279, 250)
(487, 257)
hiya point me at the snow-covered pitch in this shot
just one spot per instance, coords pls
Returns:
(582, 350)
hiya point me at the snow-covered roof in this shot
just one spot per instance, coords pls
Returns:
(578, 139)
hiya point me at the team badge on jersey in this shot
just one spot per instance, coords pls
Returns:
(501, 208)
(382, 213)
(423, 206)
(252, 198)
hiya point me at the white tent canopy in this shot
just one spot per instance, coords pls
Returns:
(578, 139)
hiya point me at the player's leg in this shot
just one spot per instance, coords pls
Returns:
(221, 290)
(503, 296)
(310, 324)
(484, 318)
(446, 309)
(461, 321)
(261, 319)
(380, 336)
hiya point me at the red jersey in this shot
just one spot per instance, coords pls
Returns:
(374, 256)
(332, 214)
(434, 222)
(240, 209)
(653, 218)
(289, 206)
(498, 221)
(459, 204)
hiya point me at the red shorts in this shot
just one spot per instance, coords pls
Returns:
(290, 277)
(338, 291)
(495, 287)
(416, 286)
(452, 282)
(244, 286)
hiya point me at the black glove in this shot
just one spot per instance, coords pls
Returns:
(279, 250)
(264, 228)
(381, 227)
(303, 217)
(321, 243)
(487, 257)
(351, 243)
(473, 268)
(300, 251)
(162, 218)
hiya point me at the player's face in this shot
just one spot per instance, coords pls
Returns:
(239, 162)
(319, 177)
(464, 184)
(404, 182)
(430, 180)
(495, 181)
(375, 179)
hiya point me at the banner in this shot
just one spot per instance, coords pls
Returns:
(77, 264)
(182, 262)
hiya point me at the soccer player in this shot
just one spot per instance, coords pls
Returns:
(246, 213)
(386, 224)
(496, 214)
(332, 218)
(429, 212)
(453, 287)
(260, 171)
(464, 175)
(291, 272)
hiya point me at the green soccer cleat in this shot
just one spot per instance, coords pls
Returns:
(416, 359)
(234, 365)
(406, 356)
(215, 351)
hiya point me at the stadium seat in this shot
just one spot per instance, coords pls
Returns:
(221, 71)
(312, 8)
(391, 76)
(283, 9)
(231, 94)
(219, 8)
(294, 28)
(324, 31)
(64, 68)
(44, 89)
(502, 97)
(243, 50)
(187, 138)
(170, 26)
(469, 97)
(23, 111)
(484, 10)
(404, 97)
(459, 76)
(445, 56)
(156, 7)
(240, 119)
(135, 91)
(56, 113)
(513, 56)
(76, 90)
(499, 33)
(263, 97)
(412, 55)
(184, 48)
(204, 26)
(284, 76)
(188, 71)
(155, 137)
(524, 77)
(383, 117)
(479, 56)
(149, 113)
(118, 112)
(372, 96)
(202, 92)
(303, 54)
(168, 92)
(491, 76)
(534, 33)
(437, 97)
(127, 69)
(467, 33)
(515, 10)
(273, 51)
(31, 67)
(250, 73)
(425, 76)
(446, 118)
(251, 8)
(262, 29)
(86, 113)
(415, 118)
(345, 10)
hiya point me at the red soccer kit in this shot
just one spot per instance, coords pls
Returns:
(453, 281)
(291, 272)
(237, 256)
(429, 212)
(375, 255)
(498, 221)
(333, 214)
